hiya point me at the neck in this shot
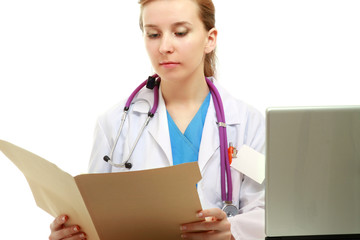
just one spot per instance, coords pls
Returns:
(183, 98)
(185, 92)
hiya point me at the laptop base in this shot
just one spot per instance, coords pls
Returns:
(318, 237)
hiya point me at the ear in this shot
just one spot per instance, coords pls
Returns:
(211, 41)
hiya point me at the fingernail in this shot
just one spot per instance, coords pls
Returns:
(76, 228)
(64, 218)
(83, 235)
(200, 215)
(182, 228)
(183, 236)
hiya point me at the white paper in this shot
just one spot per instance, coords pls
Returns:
(251, 163)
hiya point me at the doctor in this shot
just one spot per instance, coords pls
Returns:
(180, 38)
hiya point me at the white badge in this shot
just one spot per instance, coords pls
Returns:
(251, 163)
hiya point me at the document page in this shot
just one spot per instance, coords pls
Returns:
(148, 204)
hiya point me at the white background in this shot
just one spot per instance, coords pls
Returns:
(62, 63)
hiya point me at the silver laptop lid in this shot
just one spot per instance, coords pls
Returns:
(313, 171)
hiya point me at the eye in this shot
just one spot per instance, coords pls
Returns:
(152, 35)
(181, 34)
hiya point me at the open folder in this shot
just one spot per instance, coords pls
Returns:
(148, 204)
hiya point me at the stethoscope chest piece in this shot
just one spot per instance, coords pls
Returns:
(230, 210)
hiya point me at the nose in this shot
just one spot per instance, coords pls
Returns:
(166, 44)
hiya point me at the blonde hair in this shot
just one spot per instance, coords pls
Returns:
(207, 16)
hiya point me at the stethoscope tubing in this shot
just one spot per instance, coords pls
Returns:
(225, 165)
(136, 91)
(225, 171)
(123, 118)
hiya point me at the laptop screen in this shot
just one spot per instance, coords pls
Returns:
(313, 172)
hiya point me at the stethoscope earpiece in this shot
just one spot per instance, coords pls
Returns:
(128, 165)
(106, 158)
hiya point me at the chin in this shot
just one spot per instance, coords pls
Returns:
(178, 74)
(170, 75)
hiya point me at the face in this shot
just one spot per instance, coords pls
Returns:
(175, 38)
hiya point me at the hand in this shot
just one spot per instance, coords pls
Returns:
(59, 231)
(214, 225)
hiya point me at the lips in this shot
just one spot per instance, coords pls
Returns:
(169, 64)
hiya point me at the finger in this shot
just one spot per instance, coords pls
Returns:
(205, 226)
(80, 236)
(58, 223)
(212, 212)
(68, 233)
(207, 235)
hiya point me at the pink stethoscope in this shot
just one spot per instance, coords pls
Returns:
(153, 82)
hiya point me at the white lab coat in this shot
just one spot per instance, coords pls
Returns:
(245, 125)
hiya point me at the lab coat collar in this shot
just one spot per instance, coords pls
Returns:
(231, 113)
(232, 116)
(158, 126)
(209, 141)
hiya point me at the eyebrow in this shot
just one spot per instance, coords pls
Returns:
(181, 23)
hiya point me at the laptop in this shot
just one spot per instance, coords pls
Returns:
(313, 173)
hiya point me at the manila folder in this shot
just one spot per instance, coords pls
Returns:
(148, 204)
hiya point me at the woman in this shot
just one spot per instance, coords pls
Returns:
(180, 38)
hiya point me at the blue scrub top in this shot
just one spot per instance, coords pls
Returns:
(185, 147)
